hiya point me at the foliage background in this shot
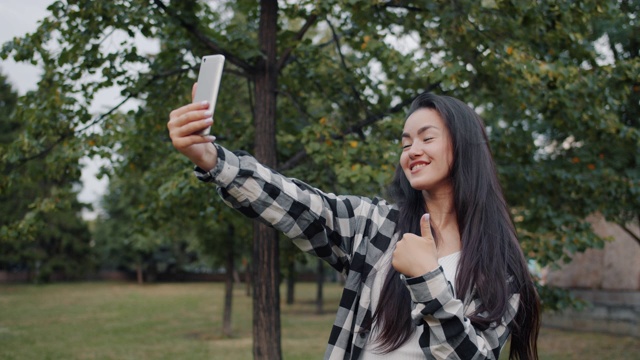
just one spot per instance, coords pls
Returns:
(556, 83)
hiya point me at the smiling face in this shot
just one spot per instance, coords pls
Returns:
(427, 153)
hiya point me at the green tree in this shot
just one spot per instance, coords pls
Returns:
(150, 214)
(41, 230)
(624, 46)
(8, 101)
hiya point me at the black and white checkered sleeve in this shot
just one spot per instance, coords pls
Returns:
(449, 334)
(324, 225)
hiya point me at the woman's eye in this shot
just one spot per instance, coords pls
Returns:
(406, 146)
(427, 139)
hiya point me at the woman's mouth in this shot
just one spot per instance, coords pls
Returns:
(418, 166)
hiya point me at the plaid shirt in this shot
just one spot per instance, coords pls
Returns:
(352, 233)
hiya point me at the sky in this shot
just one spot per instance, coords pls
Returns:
(15, 21)
(17, 18)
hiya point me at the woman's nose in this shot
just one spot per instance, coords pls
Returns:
(415, 150)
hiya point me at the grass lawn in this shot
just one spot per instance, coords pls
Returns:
(183, 321)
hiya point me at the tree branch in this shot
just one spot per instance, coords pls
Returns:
(95, 121)
(296, 159)
(295, 103)
(285, 55)
(336, 39)
(193, 30)
(371, 119)
(631, 233)
(293, 161)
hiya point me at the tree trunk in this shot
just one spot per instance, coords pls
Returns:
(266, 296)
(152, 272)
(228, 288)
(247, 278)
(291, 279)
(139, 273)
(320, 283)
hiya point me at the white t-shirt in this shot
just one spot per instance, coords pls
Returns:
(410, 350)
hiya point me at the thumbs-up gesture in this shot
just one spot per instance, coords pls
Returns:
(416, 255)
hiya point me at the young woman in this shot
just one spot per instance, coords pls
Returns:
(438, 274)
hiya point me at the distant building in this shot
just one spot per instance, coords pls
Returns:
(608, 278)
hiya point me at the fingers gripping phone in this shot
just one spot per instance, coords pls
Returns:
(209, 82)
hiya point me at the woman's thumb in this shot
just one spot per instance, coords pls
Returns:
(425, 226)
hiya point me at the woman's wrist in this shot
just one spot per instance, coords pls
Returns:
(208, 160)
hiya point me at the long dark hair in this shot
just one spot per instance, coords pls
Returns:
(490, 251)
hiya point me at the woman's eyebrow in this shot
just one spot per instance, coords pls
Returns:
(420, 131)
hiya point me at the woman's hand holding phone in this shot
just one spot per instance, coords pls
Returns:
(184, 125)
(189, 125)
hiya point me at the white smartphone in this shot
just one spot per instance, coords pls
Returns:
(209, 82)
